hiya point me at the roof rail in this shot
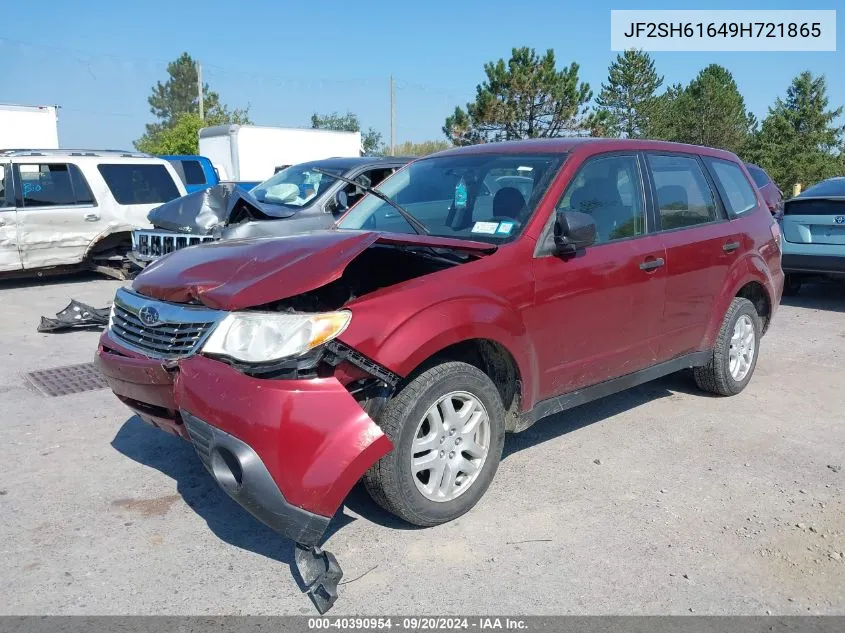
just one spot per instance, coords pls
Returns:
(74, 152)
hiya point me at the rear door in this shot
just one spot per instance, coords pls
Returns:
(138, 188)
(700, 242)
(10, 257)
(57, 214)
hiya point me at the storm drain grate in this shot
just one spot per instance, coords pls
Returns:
(61, 381)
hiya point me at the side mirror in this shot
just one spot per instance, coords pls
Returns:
(341, 202)
(573, 231)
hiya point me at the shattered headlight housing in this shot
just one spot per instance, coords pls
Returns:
(260, 337)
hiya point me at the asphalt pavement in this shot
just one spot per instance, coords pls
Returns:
(660, 500)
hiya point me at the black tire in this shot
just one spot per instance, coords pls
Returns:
(390, 481)
(715, 376)
(791, 285)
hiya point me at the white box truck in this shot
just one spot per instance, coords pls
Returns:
(253, 153)
(28, 127)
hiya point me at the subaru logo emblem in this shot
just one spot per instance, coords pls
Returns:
(148, 315)
(839, 219)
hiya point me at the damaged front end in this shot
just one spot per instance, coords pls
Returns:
(286, 434)
(198, 218)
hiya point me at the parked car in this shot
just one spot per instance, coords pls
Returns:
(813, 228)
(401, 346)
(304, 198)
(198, 173)
(70, 209)
(772, 194)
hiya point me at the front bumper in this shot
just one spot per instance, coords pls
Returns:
(299, 446)
(244, 477)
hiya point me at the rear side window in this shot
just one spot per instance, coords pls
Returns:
(684, 197)
(194, 174)
(736, 191)
(53, 185)
(138, 183)
(761, 179)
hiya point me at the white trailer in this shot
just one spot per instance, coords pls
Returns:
(28, 127)
(252, 153)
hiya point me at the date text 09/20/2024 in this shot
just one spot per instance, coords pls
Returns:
(482, 623)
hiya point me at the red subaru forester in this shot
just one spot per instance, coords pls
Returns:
(475, 292)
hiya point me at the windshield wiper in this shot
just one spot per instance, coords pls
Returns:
(418, 226)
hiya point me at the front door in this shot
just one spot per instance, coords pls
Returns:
(10, 257)
(57, 215)
(598, 314)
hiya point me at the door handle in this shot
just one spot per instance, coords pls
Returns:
(2, 222)
(730, 247)
(652, 264)
(92, 217)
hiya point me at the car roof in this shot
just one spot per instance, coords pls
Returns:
(569, 144)
(75, 153)
(354, 162)
(831, 187)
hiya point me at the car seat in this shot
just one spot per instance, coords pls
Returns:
(508, 203)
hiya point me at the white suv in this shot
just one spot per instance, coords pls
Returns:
(77, 208)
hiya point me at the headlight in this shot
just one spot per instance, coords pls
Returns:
(259, 337)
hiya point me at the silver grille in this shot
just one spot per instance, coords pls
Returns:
(178, 330)
(150, 245)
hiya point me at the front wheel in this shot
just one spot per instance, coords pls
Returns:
(735, 353)
(447, 426)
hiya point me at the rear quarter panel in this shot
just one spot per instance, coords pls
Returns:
(759, 261)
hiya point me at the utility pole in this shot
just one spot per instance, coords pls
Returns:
(199, 90)
(392, 117)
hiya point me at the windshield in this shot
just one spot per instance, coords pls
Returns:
(296, 186)
(486, 197)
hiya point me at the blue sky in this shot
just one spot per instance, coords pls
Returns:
(98, 60)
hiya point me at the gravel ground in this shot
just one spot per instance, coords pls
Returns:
(659, 500)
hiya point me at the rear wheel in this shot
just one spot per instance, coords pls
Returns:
(447, 426)
(735, 353)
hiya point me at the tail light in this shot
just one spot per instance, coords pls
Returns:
(775, 227)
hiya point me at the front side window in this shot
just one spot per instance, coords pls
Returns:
(610, 190)
(736, 191)
(485, 197)
(137, 183)
(684, 197)
(53, 185)
(296, 186)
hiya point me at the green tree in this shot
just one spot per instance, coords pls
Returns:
(799, 141)
(420, 149)
(709, 111)
(628, 95)
(180, 137)
(371, 140)
(601, 123)
(527, 97)
(178, 96)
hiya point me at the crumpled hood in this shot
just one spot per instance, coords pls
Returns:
(204, 211)
(237, 274)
